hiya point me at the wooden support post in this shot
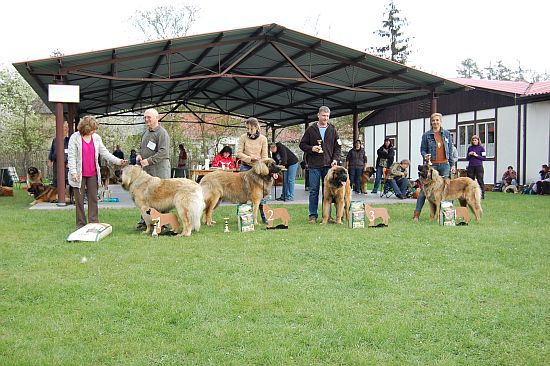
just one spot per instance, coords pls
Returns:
(60, 154)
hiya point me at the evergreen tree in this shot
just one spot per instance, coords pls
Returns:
(396, 46)
(468, 69)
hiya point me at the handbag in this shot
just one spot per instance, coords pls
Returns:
(383, 163)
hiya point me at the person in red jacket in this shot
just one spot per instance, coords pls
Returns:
(224, 159)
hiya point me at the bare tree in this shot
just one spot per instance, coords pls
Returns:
(164, 22)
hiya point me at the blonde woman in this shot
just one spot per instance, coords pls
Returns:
(252, 148)
(85, 146)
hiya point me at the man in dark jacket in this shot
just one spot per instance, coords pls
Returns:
(323, 147)
(52, 155)
(284, 156)
(356, 163)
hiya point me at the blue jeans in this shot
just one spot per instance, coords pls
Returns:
(316, 175)
(379, 171)
(288, 182)
(355, 178)
(399, 186)
(444, 169)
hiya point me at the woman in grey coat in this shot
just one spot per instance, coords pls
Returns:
(85, 146)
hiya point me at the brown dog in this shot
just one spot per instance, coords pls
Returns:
(163, 195)
(43, 193)
(438, 189)
(34, 175)
(249, 186)
(337, 189)
(366, 177)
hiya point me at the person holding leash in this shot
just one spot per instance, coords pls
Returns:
(85, 146)
(436, 148)
(154, 155)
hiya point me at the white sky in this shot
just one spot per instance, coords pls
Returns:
(445, 32)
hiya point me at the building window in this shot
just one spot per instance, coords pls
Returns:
(465, 133)
(393, 140)
(486, 132)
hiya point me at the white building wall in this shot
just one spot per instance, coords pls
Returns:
(448, 122)
(370, 148)
(486, 113)
(538, 138)
(507, 143)
(466, 116)
(417, 130)
(402, 141)
(391, 130)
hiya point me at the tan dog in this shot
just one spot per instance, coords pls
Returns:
(164, 195)
(366, 177)
(438, 189)
(272, 214)
(249, 186)
(337, 189)
(374, 213)
(6, 192)
(163, 219)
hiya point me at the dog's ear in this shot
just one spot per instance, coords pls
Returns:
(261, 168)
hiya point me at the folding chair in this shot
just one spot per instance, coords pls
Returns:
(387, 190)
(15, 177)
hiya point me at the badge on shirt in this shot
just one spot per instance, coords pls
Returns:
(66, 151)
(483, 153)
(339, 142)
(151, 145)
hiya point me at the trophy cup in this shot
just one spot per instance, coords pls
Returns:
(226, 224)
(320, 147)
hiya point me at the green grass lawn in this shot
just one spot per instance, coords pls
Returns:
(405, 294)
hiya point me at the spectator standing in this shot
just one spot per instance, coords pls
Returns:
(133, 156)
(52, 155)
(323, 147)
(182, 157)
(384, 159)
(119, 154)
(284, 156)
(356, 163)
(476, 157)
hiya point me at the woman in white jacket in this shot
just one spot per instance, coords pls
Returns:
(85, 146)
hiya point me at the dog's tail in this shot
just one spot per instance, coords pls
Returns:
(478, 198)
(196, 208)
